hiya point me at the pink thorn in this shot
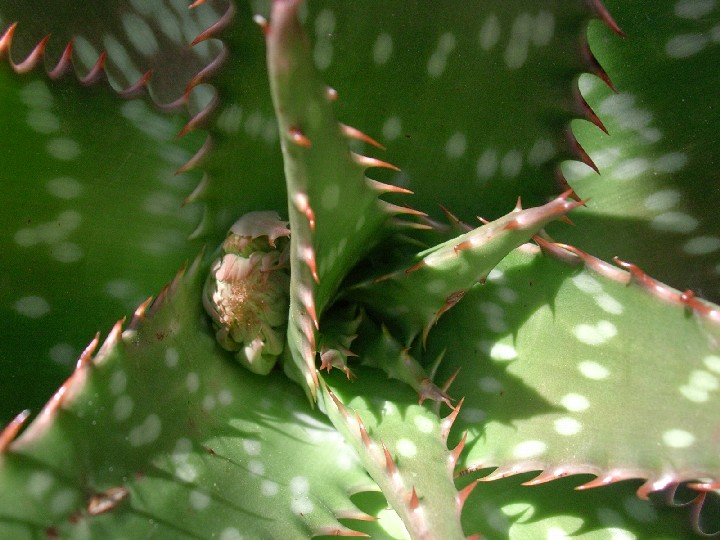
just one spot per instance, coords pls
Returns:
(8, 434)
(518, 205)
(605, 16)
(465, 492)
(652, 485)
(221, 23)
(358, 135)
(205, 72)
(449, 420)
(331, 94)
(545, 476)
(32, 59)
(705, 486)
(64, 62)
(139, 314)
(196, 3)
(367, 162)
(6, 39)
(414, 501)
(567, 220)
(302, 205)
(193, 161)
(395, 209)
(97, 71)
(389, 463)
(387, 188)
(308, 255)
(309, 304)
(458, 450)
(600, 481)
(363, 432)
(137, 88)
(298, 137)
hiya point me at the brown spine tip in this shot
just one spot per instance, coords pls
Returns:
(298, 137)
(368, 162)
(8, 434)
(606, 17)
(389, 463)
(580, 152)
(586, 111)
(387, 188)
(354, 133)
(595, 67)
(331, 94)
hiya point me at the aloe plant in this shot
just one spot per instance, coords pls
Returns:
(336, 346)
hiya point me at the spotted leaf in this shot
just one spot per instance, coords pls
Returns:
(657, 189)
(158, 431)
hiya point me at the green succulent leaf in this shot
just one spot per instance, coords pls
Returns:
(657, 189)
(146, 42)
(415, 297)
(403, 447)
(335, 213)
(562, 365)
(473, 102)
(92, 221)
(160, 432)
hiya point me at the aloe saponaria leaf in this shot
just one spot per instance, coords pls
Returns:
(92, 221)
(335, 212)
(657, 190)
(416, 296)
(403, 447)
(472, 102)
(139, 43)
(158, 431)
(564, 358)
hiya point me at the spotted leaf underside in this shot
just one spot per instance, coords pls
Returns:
(564, 358)
(656, 197)
(158, 431)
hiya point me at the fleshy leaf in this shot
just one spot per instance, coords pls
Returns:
(415, 297)
(473, 102)
(92, 221)
(159, 431)
(335, 213)
(657, 189)
(143, 42)
(402, 446)
(563, 364)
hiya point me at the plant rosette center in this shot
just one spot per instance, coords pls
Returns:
(247, 291)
